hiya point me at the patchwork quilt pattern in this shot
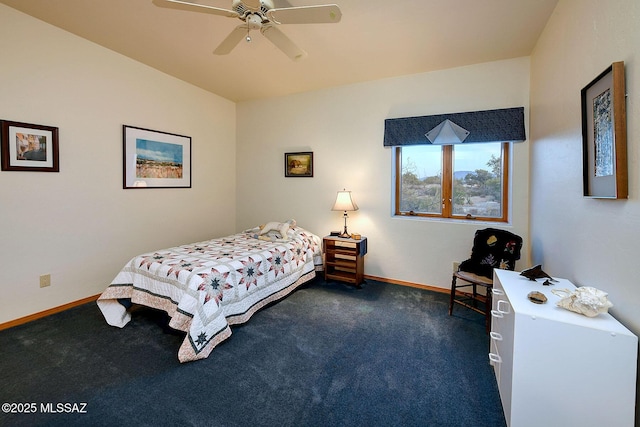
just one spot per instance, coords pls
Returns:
(207, 286)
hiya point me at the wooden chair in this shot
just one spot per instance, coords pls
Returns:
(492, 248)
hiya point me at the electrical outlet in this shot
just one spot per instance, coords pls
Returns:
(45, 280)
(456, 265)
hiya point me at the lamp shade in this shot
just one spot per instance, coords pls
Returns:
(344, 202)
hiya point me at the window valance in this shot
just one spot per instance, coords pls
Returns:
(501, 125)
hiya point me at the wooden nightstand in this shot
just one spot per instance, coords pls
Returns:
(344, 259)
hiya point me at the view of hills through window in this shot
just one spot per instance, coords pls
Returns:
(476, 179)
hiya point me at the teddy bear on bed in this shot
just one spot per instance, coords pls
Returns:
(275, 231)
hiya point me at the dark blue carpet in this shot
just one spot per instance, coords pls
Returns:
(327, 355)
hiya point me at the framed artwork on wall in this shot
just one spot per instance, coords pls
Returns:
(298, 164)
(604, 135)
(154, 159)
(29, 147)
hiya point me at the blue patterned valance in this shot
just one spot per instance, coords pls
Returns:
(504, 125)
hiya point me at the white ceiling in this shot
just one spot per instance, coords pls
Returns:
(375, 39)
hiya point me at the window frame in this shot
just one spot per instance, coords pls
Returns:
(447, 187)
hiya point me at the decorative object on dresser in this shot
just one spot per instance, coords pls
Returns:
(344, 202)
(537, 297)
(584, 300)
(604, 135)
(28, 147)
(536, 272)
(344, 259)
(492, 248)
(555, 367)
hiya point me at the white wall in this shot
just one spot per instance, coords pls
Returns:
(344, 128)
(79, 225)
(589, 241)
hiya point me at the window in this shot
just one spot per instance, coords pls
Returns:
(462, 181)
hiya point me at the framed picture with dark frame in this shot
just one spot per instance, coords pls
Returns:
(298, 164)
(29, 147)
(604, 135)
(154, 159)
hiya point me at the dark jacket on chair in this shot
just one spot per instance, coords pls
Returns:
(493, 248)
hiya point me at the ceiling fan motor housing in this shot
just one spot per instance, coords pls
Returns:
(242, 7)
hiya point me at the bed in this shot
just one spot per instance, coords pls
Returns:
(207, 286)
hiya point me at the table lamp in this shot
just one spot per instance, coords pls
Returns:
(345, 203)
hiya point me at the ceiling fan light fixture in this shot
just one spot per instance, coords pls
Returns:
(254, 21)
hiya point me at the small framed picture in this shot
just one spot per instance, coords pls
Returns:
(298, 164)
(154, 159)
(29, 147)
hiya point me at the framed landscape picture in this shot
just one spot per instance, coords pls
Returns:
(154, 159)
(298, 164)
(29, 147)
(604, 135)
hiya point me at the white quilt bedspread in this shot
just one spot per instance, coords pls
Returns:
(207, 286)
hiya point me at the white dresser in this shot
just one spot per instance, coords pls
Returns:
(555, 367)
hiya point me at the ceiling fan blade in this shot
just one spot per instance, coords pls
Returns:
(282, 42)
(231, 40)
(321, 14)
(195, 7)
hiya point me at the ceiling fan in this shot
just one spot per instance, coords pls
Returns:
(262, 15)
